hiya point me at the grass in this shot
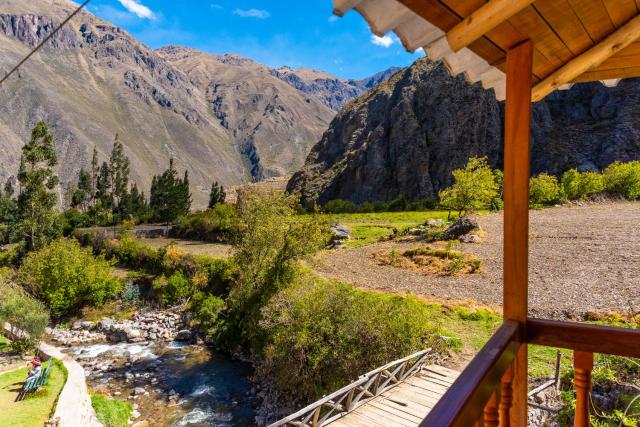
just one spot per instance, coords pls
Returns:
(111, 412)
(215, 250)
(37, 407)
(367, 228)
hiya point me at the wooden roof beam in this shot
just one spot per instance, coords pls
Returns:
(593, 57)
(483, 20)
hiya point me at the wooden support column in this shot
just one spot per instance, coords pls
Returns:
(517, 136)
(582, 367)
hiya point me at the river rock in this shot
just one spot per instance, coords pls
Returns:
(340, 232)
(434, 223)
(469, 238)
(184, 335)
(460, 227)
(105, 324)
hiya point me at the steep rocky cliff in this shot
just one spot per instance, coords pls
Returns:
(408, 134)
(404, 137)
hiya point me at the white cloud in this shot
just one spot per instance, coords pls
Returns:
(138, 9)
(333, 18)
(216, 6)
(384, 41)
(252, 13)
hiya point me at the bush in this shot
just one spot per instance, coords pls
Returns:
(112, 412)
(206, 310)
(338, 206)
(174, 289)
(579, 186)
(213, 225)
(66, 277)
(544, 190)
(623, 178)
(24, 313)
(320, 335)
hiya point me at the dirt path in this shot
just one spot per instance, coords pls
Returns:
(583, 258)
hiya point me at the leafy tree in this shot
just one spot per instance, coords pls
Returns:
(170, 196)
(66, 276)
(474, 187)
(36, 222)
(24, 313)
(271, 238)
(216, 195)
(544, 190)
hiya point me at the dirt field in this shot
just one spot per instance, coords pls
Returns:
(216, 250)
(583, 258)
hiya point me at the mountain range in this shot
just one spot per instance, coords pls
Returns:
(221, 117)
(406, 135)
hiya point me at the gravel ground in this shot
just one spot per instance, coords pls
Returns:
(582, 258)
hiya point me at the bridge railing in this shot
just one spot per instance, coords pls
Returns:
(359, 392)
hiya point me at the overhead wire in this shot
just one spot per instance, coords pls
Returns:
(42, 43)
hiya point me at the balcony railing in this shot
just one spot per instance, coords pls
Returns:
(481, 396)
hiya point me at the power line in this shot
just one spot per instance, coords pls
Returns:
(46, 39)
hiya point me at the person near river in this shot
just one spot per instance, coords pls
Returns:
(35, 368)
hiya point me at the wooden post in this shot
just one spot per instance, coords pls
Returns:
(582, 367)
(505, 399)
(517, 136)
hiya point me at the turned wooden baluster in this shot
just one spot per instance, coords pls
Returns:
(582, 367)
(506, 398)
(491, 415)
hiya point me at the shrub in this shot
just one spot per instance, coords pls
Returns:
(212, 225)
(320, 334)
(544, 190)
(340, 206)
(623, 178)
(174, 289)
(24, 313)
(66, 276)
(474, 187)
(578, 186)
(112, 412)
(206, 310)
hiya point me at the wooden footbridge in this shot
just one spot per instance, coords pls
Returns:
(400, 393)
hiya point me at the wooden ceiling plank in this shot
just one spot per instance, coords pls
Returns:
(530, 22)
(482, 20)
(620, 11)
(593, 57)
(595, 75)
(566, 24)
(594, 18)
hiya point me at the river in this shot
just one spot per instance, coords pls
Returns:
(173, 384)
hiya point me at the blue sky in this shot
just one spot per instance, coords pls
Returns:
(274, 32)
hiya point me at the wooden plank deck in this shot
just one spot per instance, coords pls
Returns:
(404, 405)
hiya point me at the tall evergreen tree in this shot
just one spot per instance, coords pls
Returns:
(216, 195)
(36, 222)
(95, 169)
(7, 211)
(103, 187)
(119, 173)
(81, 196)
(170, 196)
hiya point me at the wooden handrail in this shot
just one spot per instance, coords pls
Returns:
(463, 404)
(584, 337)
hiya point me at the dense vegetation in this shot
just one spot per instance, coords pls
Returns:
(23, 313)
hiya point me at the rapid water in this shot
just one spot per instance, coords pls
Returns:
(187, 385)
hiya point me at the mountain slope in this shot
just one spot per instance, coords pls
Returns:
(274, 124)
(408, 134)
(93, 81)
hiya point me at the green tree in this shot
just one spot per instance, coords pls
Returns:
(270, 239)
(66, 276)
(170, 196)
(474, 187)
(544, 190)
(95, 169)
(216, 195)
(7, 211)
(119, 173)
(24, 313)
(623, 178)
(36, 222)
(81, 197)
(103, 187)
